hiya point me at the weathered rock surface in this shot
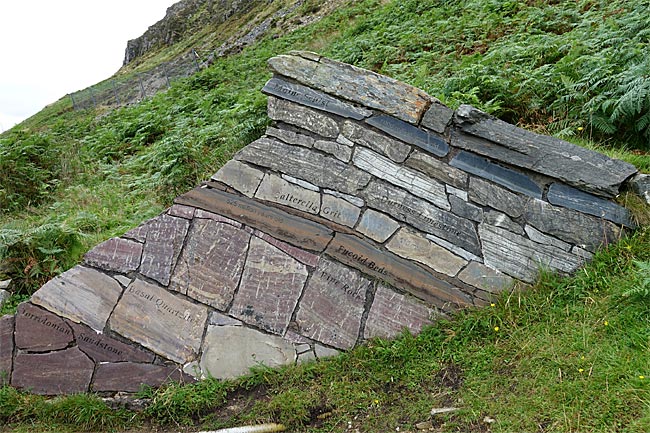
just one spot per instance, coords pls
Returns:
(377, 226)
(562, 195)
(164, 241)
(485, 278)
(239, 176)
(275, 189)
(425, 140)
(6, 348)
(131, 376)
(393, 149)
(104, 348)
(116, 254)
(305, 118)
(38, 330)
(412, 246)
(42, 373)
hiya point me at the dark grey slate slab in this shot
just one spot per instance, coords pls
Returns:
(270, 287)
(311, 98)
(104, 348)
(38, 330)
(399, 272)
(422, 215)
(6, 347)
(566, 196)
(306, 164)
(64, 372)
(437, 117)
(504, 176)
(130, 376)
(354, 84)
(465, 210)
(410, 134)
(640, 184)
(489, 194)
(211, 264)
(277, 223)
(582, 168)
(163, 245)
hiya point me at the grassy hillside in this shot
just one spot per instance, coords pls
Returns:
(568, 355)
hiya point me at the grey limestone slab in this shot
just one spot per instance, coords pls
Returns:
(572, 198)
(411, 180)
(303, 117)
(437, 169)
(640, 184)
(425, 140)
(489, 194)
(165, 239)
(391, 313)
(394, 149)
(239, 176)
(331, 308)
(80, 294)
(357, 201)
(582, 168)
(355, 84)
(413, 246)
(501, 220)
(290, 137)
(312, 98)
(313, 167)
(270, 287)
(342, 152)
(522, 258)
(277, 190)
(300, 182)
(339, 210)
(465, 210)
(419, 213)
(231, 351)
(453, 248)
(211, 264)
(167, 324)
(485, 278)
(541, 238)
(484, 168)
(377, 226)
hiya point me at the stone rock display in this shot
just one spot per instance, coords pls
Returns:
(367, 209)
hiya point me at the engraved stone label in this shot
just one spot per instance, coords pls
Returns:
(331, 308)
(270, 287)
(395, 270)
(94, 293)
(411, 180)
(339, 210)
(211, 263)
(422, 215)
(279, 224)
(278, 190)
(38, 330)
(147, 313)
(103, 348)
(312, 98)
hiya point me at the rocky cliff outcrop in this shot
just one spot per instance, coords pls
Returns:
(182, 18)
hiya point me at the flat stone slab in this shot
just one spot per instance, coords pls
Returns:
(420, 214)
(64, 372)
(104, 348)
(38, 330)
(489, 194)
(485, 278)
(212, 262)
(408, 133)
(160, 321)
(6, 347)
(270, 287)
(94, 293)
(339, 210)
(437, 169)
(279, 224)
(314, 167)
(231, 351)
(311, 98)
(290, 137)
(381, 143)
(131, 376)
(239, 176)
(275, 189)
(399, 272)
(413, 181)
(484, 168)
(332, 306)
(302, 256)
(412, 246)
(391, 313)
(164, 242)
(311, 120)
(579, 167)
(438, 117)
(377, 226)
(116, 254)
(354, 84)
(566, 196)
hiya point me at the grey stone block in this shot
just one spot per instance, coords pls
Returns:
(394, 149)
(408, 133)
(377, 226)
(437, 117)
(566, 196)
(302, 117)
(239, 176)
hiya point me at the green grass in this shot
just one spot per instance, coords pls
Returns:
(568, 354)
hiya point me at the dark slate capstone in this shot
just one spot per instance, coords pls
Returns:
(565, 196)
(504, 176)
(410, 134)
(311, 98)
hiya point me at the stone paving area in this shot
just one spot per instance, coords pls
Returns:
(368, 207)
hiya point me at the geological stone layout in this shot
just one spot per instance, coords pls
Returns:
(367, 208)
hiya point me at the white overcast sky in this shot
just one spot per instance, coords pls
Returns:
(49, 48)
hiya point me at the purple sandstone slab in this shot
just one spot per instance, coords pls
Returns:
(163, 245)
(64, 372)
(271, 285)
(103, 348)
(38, 330)
(131, 376)
(211, 264)
(116, 254)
